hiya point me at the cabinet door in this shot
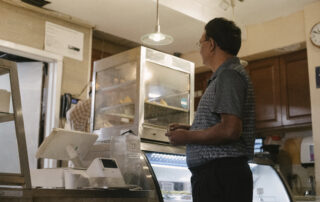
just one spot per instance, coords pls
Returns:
(201, 83)
(295, 92)
(266, 82)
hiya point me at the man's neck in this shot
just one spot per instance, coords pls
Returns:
(217, 61)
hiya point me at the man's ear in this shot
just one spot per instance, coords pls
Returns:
(213, 45)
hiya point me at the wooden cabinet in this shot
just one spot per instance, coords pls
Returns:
(266, 82)
(281, 86)
(295, 89)
(97, 55)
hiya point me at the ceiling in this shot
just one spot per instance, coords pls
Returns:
(182, 19)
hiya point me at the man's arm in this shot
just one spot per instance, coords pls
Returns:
(228, 102)
(229, 130)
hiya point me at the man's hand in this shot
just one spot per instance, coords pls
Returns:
(175, 126)
(225, 132)
(177, 133)
(178, 137)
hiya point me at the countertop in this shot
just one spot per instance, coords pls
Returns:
(306, 198)
(78, 193)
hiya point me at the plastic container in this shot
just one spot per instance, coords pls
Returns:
(125, 148)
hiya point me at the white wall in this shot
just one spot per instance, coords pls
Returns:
(24, 24)
(311, 17)
(278, 33)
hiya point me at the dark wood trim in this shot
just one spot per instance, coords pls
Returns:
(282, 129)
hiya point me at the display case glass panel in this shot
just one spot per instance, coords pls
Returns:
(267, 184)
(116, 75)
(115, 96)
(166, 100)
(172, 175)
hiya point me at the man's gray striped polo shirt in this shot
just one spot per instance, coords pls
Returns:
(229, 91)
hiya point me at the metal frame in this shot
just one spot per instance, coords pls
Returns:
(118, 59)
(162, 148)
(12, 178)
(54, 82)
(153, 177)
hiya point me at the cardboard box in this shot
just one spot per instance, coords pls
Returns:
(47, 177)
(4, 101)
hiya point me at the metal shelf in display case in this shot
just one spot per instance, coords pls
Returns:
(161, 107)
(3, 71)
(139, 88)
(5, 117)
(117, 86)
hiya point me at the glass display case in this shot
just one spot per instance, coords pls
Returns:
(173, 178)
(269, 185)
(143, 90)
(172, 174)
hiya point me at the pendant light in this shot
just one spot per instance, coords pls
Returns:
(157, 38)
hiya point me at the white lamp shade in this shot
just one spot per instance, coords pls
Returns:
(156, 38)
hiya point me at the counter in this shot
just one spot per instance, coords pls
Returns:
(148, 193)
(63, 195)
(306, 198)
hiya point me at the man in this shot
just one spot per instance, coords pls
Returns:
(221, 138)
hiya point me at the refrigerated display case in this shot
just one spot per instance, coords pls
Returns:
(172, 174)
(143, 90)
(269, 185)
(173, 178)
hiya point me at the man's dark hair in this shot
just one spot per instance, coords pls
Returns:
(225, 33)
